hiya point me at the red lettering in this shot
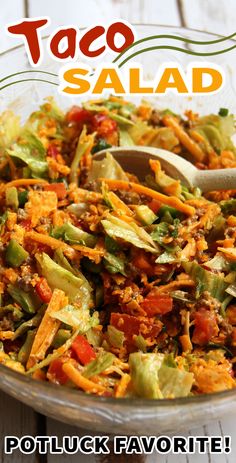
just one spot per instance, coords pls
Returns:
(29, 28)
(123, 29)
(89, 38)
(70, 36)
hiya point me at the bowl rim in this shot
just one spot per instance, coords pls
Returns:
(68, 393)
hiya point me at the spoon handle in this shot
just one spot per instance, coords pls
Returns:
(219, 179)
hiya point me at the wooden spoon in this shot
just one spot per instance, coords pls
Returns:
(136, 160)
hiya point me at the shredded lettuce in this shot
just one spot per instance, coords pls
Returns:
(122, 118)
(218, 263)
(166, 183)
(63, 262)
(217, 130)
(74, 235)
(180, 295)
(141, 343)
(114, 264)
(231, 290)
(111, 245)
(76, 288)
(166, 258)
(106, 168)
(94, 337)
(139, 130)
(115, 337)
(156, 376)
(132, 233)
(31, 151)
(124, 110)
(103, 361)
(47, 112)
(106, 194)
(77, 318)
(159, 137)
(125, 139)
(206, 281)
(164, 138)
(9, 129)
(78, 209)
(83, 145)
(174, 382)
(144, 374)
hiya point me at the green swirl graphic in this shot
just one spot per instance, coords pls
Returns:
(27, 80)
(178, 38)
(25, 72)
(181, 50)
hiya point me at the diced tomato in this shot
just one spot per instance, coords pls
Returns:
(52, 151)
(155, 205)
(56, 373)
(58, 188)
(155, 304)
(79, 115)
(104, 125)
(142, 261)
(132, 326)
(205, 327)
(98, 119)
(26, 224)
(83, 350)
(43, 290)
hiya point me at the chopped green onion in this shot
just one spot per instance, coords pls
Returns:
(15, 254)
(12, 198)
(223, 112)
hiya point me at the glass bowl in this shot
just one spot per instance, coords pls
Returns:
(100, 414)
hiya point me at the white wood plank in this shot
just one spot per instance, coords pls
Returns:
(10, 12)
(60, 430)
(146, 11)
(159, 12)
(17, 420)
(211, 15)
(225, 427)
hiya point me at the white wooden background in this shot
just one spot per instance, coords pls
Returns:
(211, 15)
